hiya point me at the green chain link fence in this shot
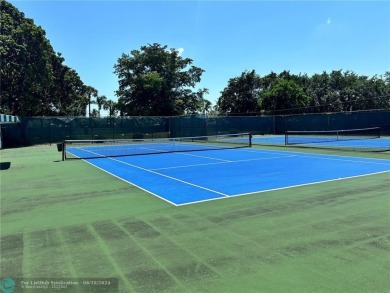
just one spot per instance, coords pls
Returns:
(44, 130)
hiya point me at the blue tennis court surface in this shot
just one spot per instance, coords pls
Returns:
(192, 177)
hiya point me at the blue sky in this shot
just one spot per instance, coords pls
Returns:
(224, 38)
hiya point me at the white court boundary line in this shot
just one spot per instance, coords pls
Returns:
(287, 154)
(153, 172)
(133, 184)
(281, 188)
(124, 180)
(320, 156)
(169, 177)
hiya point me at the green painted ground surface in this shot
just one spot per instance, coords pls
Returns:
(68, 219)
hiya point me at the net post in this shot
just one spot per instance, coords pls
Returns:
(285, 138)
(63, 151)
(250, 140)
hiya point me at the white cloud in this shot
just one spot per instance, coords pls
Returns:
(329, 21)
(180, 50)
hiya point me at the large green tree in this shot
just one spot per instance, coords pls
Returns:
(158, 81)
(241, 95)
(284, 95)
(68, 94)
(25, 63)
(34, 80)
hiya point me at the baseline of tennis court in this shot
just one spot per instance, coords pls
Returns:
(192, 177)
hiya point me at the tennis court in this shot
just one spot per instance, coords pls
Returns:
(185, 177)
(71, 220)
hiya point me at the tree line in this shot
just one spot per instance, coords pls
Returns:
(287, 93)
(157, 81)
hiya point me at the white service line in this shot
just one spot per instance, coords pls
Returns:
(225, 162)
(204, 157)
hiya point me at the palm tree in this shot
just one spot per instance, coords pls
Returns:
(110, 105)
(100, 101)
(95, 113)
(206, 106)
(90, 92)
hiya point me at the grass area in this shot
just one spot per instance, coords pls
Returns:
(68, 219)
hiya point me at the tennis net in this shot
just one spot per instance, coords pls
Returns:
(359, 139)
(88, 149)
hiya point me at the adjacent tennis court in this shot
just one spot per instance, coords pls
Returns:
(358, 139)
(183, 177)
